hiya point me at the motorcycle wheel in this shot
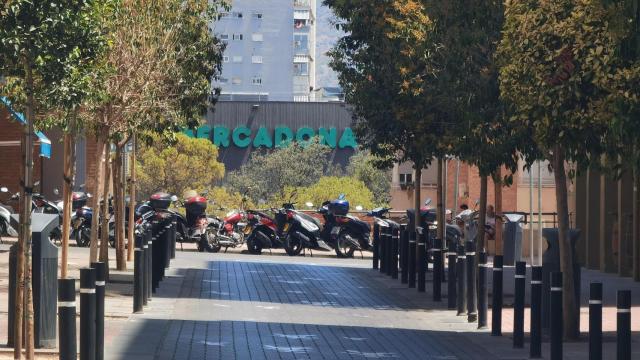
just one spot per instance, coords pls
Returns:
(209, 242)
(344, 249)
(293, 245)
(83, 237)
(253, 245)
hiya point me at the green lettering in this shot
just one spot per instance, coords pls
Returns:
(304, 136)
(328, 137)
(262, 138)
(203, 132)
(241, 137)
(221, 136)
(188, 132)
(347, 139)
(283, 136)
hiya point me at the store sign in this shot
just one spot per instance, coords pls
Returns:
(281, 136)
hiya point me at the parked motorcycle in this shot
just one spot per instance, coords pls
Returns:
(381, 218)
(346, 233)
(5, 217)
(262, 232)
(428, 220)
(299, 230)
(231, 230)
(196, 226)
(81, 218)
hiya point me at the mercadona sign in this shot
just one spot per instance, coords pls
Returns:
(281, 136)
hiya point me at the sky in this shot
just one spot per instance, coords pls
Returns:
(326, 37)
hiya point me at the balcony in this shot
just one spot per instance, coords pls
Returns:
(302, 4)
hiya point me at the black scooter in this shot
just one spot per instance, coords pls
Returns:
(299, 231)
(346, 233)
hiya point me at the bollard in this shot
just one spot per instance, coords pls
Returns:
(412, 259)
(67, 319)
(174, 229)
(101, 273)
(555, 313)
(624, 325)
(421, 236)
(404, 254)
(471, 281)
(535, 346)
(376, 237)
(496, 297)
(595, 321)
(451, 287)
(437, 270)
(518, 304)
(145, 246)
(388, 251)
(383, 246)
(395, 247)
(461, 272)
(87, 314)
(149, 263)
(155, 257)
(137, 281)
(483, 296)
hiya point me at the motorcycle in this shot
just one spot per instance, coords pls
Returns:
(346, 233)
(42, 205)
(261, 232)
(381, 218)
(81, 218)
(299, 230)
(5, 218)
(231, 231)
(428, 220)
(196, 226)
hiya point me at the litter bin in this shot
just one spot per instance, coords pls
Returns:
(44, 269)
(512, 238)
(551, 263)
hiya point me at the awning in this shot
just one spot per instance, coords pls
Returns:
(45, 143)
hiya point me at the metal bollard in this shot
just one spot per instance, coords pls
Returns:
(412, 259)
(149, 264)
(395, 247)
(174, 229)
(461, 272)
(87, 314)
(383, 246)
(388, 251)
(155, 257)
(470, 252)
(595, 321)
(518, 305)
(101, 274)
(437, 270)
(624, 325)
(496, 297)
(451, 287)
(376, 237)
(145, 248)
(535, 346)
(404, 254)
(137, 281)
(555, 313)
(483, 296)
(67, 341)
(421, 237)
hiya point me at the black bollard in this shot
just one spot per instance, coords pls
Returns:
(412, 259)
(101, 274)
(421, 237)
(451, 287)
(535, 346)
(395, 247)
(496, 297)
(376, 237)
(383, 247)
(87, 314)
(595, 321)
(67, 341)
(437, 269)
(137, 281)
(518, 304)
(483, 296)
(461, 272)
(470, 252)
(555, 314)
(388, 251)
(149, 263)
(174, 229)
(624, 325)
(144, 246)
(404, 254)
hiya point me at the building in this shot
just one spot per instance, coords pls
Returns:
(270, 54)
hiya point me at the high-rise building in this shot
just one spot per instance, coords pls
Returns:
(270, 50)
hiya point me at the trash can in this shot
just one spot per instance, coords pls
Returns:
(512, 238)
(551, 263)
(44, 269)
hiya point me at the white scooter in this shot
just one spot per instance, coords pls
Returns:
(5, 218)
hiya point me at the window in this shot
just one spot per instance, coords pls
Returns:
(236, 80)
(299, 24)
(256, 59)
(237, 36)
(237, 59)
(256, 37)
(223, 80)
(300, 41)
(256, 15)
(406, 178)
(223, 15)
(236, 14)
(225, 59)
(301, 69)
(224, 37)
(256, 80)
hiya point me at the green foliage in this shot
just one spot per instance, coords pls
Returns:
(329, 188)
(190, 163)
(364, 167)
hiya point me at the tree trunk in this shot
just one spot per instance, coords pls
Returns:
(482, 243)
(98, 192)
(497, 181)
(636, 226)
(121, 263)
(105, 215)
(569, 308)
(132, 201)
(440, 214)
(69, 157)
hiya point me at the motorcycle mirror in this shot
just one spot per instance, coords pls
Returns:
(204, 193)
(89, 195)
(427, 202)
(174, 198)
(4, 189)
(359, 208)
(81, 186)
(342, 197)
(56, 191)
(36, 183)
(309, 204)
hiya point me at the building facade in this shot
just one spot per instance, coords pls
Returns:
(270, 53)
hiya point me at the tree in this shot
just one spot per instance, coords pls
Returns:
(330, 187)
(556, 61)
(189, 163)
(362, 166)
(43, 46)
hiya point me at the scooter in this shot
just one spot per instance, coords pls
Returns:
(299, 230)
(346, 233)
(381, 218)
(261, 232)
(5, 218)
(428, 220)
(196, 226)
(81, 218)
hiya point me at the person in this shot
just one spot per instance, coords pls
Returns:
(490, 222)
